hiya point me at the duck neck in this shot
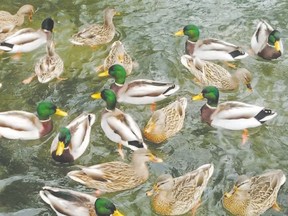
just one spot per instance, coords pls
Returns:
(189, 47)
(140, 168)
(47, 126)
(108, 20)
(212, 102)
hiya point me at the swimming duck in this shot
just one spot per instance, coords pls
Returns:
(253, 196)
(266, 42)
(48, 67)
(116, 176)
(209, 49)
(118, 126)
(117, 55)
(140, 91)
(96, 34)
(8, 21)
(28, 39)
(72, 140)
(27, 126)
(208, 73)
(176, 196)
(231, 115)
(69, 202)
(166, 122)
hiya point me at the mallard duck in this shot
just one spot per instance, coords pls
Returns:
(208, 73)
(28, 39)
(48, 67)
(118, 126)
(8, 21)
(117, 55)
(140, 91)
(27, 126)
(96, 34)
(176, 196)
(69, 202)
(209, 49)
(266, 42)
(72, 140)
(116, 176)
(232, 115)
(166, 122)
(253, 196)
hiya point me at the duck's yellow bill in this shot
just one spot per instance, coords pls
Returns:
(277, 45)
(117, 14)
(60, 148)
(103, 74)
(179, 33)
(228, 195)
(154, 159)
(61, 112)
(117, 213)
(96, 95)
(198, 97)
(249, 87)
(150, 193)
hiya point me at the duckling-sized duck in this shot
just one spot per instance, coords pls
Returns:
(176, 196)
(208, 73)
(253, 196)
(48, 67)
(96, 34)
(73, 203)
(266, 42)
(118, 126)
(231, 115)
(166, 122)
(72, 140)
(8, 21)
(28, 39)
(27, 126)
(116, 176)
(209, 49)
(117, 55)
(140, 91)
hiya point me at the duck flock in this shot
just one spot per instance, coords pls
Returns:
(169, 196)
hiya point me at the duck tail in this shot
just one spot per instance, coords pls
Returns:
(238, 54)
(137, 144)
(265, 115)
(6, 46)
(171, 89)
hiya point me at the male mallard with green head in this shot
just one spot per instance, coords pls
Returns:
(209, 49)
(27, 126)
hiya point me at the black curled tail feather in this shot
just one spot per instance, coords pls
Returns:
(263, 114)
(136, 144)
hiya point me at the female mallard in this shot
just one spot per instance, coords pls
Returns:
(231, 115)
(176, 196)
(140, 91)
(209, 49)
(266, 42)
(72, 140)
(116, 176)
(8, 21)
(166, 122)
(28, 39)
(117, 55)
(207, 73)
(118, 126)
(253, 196)
(27, 126)
(48, 67)
(69, 202)
(96, 34)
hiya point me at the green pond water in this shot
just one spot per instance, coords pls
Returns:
(146, 27)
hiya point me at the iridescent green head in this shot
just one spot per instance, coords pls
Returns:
(274, 39)
(45, 109)
(107, 95)
(118, 73)
(105, 207)
(211, 93)
(191, 31)
(64, 139)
